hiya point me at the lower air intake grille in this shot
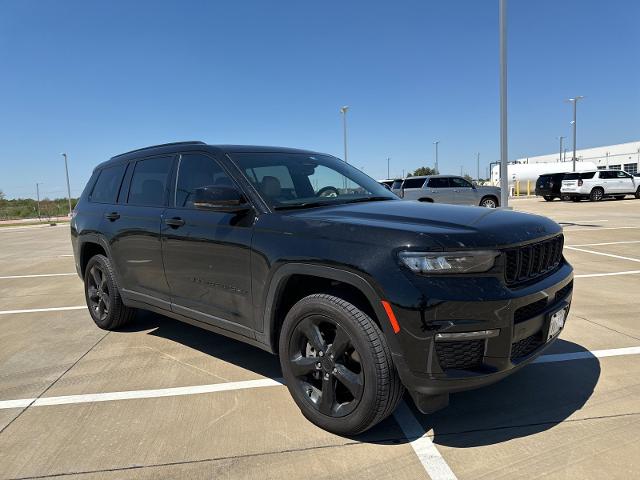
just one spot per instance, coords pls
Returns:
(461, 354)
(526, 346)
(529, 311)
(564, 291)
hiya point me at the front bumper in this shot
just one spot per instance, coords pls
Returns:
(427, 367)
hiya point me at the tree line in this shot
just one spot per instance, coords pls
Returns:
(19, 208)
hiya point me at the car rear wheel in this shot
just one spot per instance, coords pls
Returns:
(548, 198)
(596, 194)
(337, 365)
(102, 295)
(565, 198)
(489, 202)
(638, 193)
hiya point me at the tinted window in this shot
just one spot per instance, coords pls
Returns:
(195, 171)
(413, 183)
(396, 184)
(458, 182)
(572, 176)
(587, 175)
(607, 174)
(439, 182)
(108, 184)
(149, 181)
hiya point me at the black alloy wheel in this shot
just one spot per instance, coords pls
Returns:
(326, 366)
(337, 365)
(102, 295)
(98, 294)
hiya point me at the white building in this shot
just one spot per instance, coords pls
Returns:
(624, 156)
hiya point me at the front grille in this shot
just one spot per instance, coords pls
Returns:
(564, 291)
(466, 354)
(526, 346)
(532, 261)
(529, 311)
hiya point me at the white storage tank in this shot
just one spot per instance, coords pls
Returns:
(531, 171)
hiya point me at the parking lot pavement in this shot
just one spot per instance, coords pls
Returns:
(163, 399)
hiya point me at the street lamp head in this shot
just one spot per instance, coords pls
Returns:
(344, 109)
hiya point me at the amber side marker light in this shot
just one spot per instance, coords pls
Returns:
(392, 317)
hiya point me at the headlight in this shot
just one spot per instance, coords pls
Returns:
(449, 262)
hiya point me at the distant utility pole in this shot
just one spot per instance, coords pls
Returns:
(38, 197)
(66, 170)
(504, 155)
(343, 111)
(388, 160)
(478, 167)
(436, 165)
(461, 171)
(574, 100)
(565, 155)
(561, 138)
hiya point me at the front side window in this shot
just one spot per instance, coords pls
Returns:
(149, 182)
(108, 184)
(298, 180)
(196, 170)
(439, 182)
(457, 182)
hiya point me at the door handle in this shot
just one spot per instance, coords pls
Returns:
(113, 216)
(174, 222)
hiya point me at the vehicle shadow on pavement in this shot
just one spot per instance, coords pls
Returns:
(532, 400)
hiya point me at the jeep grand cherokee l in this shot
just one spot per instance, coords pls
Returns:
(360, 294)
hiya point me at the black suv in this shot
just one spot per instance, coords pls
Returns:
(360, 293)
(548, 186)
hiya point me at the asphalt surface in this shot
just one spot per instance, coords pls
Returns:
(79, 402)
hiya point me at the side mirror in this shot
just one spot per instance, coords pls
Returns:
(220, 199)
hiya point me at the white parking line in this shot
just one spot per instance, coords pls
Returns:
(594, 229)
(52, 309)
(612, 274)
(631, 259)
(603, 243)
(38, 275)
(429, 456)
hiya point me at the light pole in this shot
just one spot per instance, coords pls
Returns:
(343, 111)
(478, 167)
(574, 100)
(504, 178)
(561, 139)
(38, 198)
(436, 165)
(66, 170)
(388, 160)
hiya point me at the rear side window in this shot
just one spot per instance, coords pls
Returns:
(396, 184)
(572, 176)
(587, 175)
(149, 182)
(108, 184)
(439, 182)
(196, 171)
(413, 183)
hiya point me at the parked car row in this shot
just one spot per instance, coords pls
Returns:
(449, 189)
(593, 185)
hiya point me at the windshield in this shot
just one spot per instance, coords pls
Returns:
(297, 180)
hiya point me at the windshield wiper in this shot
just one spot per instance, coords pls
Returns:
(368, 199)
(293, 206)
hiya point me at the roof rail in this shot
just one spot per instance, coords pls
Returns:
(192, 142)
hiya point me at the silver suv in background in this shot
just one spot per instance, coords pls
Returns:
(448, 189)
(596, 185)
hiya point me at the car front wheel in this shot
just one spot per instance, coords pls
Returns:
(489, 202)
(337, 365)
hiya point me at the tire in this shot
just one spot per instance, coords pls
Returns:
(575, 199)
(102, 295)
(565, 198)
(358, 355)
(489, 202)
(548, 198)
(638, 193)
(596, 194)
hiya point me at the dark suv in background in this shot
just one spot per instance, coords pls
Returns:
(297, 252)
(548, 186)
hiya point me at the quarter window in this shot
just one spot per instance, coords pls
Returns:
(108, 184)
(196, 171)
(149, 182)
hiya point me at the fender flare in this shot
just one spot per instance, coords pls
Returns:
(98, 239)
(278, 281)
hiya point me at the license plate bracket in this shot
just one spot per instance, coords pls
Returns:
(557, 320)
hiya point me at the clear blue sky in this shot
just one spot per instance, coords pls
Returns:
(98, 78)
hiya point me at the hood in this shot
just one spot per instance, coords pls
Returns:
(450, 226)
